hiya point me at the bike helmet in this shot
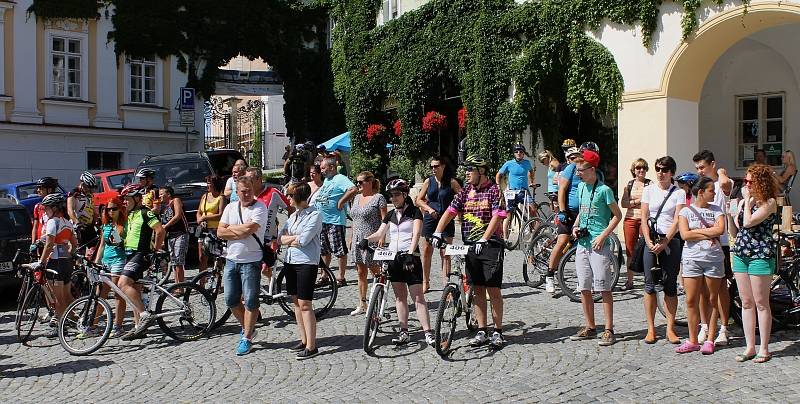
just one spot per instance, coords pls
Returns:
(476, 161)
(47, 182)
(55, 199)
(688, 177)
(132, 190)
(571, 151)
(590, 146)
(399, 185)
(145, 173)
(519, 146)
(568, 143)
(89, 179)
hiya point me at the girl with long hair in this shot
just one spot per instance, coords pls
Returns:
(111, 253)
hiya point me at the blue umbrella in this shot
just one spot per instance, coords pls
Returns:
(342, 143)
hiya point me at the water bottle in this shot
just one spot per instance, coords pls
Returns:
(146, 300)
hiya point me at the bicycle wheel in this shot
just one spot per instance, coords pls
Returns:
(23, 291)
(85, 325)
(514, 229)
(446, 316)
(680, 313)
(79, 284)
(211, 282)
(471, 320)
(29, 313)
(188, 317)
(568, 277)
(537, 257)
(373, 321)
(529, 230)
(544, 211)
(325, 293)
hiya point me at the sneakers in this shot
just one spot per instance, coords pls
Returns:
(117, 332)
(53, 330)
(687, 347)
(87, 333)
(144, 321)
(306, 354)
(708, 348)
(584, 333)
(703, 334)
(479, 339)
(496, 341)
(244, 348)
(299, 347)
(402, 338)
(607, 338)
(430, 339)
(549, 284)
(722, 338)
(359, 310)
(132, 335)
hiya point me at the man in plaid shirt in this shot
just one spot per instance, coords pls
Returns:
(479, 204)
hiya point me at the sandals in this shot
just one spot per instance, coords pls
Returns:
(762, 358)
(341, 282)
(744, 357)
(650, 341)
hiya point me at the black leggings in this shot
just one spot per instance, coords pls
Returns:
(670, 264)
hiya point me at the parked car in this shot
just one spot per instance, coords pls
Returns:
(111, 182)
(15, 233)
(186, 173)
(24, 193)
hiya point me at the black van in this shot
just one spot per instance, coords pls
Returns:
(15, 233)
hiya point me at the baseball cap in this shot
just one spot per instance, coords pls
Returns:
(591, 157)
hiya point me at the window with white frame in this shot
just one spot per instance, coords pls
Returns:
(103, 160)
(143, 80)
(760, 128)
(66, 62)
(390, 10)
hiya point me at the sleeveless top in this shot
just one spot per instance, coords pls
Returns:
(757, 241)
(167, 213)
(439, 197)
(635, 193)
(211, 206)
(114, 249)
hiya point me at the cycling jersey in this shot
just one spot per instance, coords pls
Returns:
(139, 232)
(517, 172)
(570, 174)
(478, 205)
(62, 232)
(401, 227)
(274, 200)
(83, 206)
(149, 198)
(39, 221)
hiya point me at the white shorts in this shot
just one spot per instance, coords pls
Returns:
(694, 269)
(594, 268)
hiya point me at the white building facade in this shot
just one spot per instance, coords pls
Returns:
(68, 103)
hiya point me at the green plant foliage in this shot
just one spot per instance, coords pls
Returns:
(78, 9)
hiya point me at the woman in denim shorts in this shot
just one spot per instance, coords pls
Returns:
(111, 253)
(754, 257)
(701, 224)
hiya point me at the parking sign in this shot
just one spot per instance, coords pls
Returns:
(187, 98)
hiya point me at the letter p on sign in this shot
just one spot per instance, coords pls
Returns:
(187, 98)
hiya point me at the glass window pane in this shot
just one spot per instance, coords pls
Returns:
(749, 131)
(74, 46)
(136, 96)
(58, 44)
(135, 83)
(150, 71)
(775, 131)
(74, 63)
(58, 89)
(74, 91)
(149, 84)
(136, 69)
(749, 108)
(58, 61)
(150, 97)
(773, 152)
(774, 107)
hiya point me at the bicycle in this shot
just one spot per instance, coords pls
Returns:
(377, 296)
(211, 279)
(520, 221)
(681, 317)
(38, 294)
(457, 299)
(183, 311)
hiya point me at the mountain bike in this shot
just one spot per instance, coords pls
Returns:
(377, 296)
(521, 223)
(211, 279)
(38, 295)
(183, 311)
(457, 299)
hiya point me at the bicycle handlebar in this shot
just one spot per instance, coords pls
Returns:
(30, 267)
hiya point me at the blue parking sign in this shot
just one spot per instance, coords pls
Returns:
(187, 98)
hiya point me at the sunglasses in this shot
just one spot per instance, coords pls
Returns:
(470, 168)
(519, 151)
(112, 209)
(662, 169)
(640, 168)
(435, 166)
(359, 182)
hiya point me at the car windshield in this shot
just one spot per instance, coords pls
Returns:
(14, 223)
(120, 180)
(26, 191)
(181, 172)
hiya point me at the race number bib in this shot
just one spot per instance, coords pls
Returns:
(456, 250)
(510, 194)
(384, 255)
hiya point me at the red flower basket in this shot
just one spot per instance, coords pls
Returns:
(434, 122)
(375, 130)
(398, 128)
(462, 118)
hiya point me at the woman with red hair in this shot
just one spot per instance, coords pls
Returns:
(754, 257)
(111, 253)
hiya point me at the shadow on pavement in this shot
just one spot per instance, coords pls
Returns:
(75, 366)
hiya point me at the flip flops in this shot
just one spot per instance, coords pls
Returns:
(744, 358)
(762, 358)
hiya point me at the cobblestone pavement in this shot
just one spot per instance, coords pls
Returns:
(539, 363)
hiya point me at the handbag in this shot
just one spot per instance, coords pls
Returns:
(637, 256)
(268, 255)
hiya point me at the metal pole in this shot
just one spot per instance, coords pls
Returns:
(186, 131)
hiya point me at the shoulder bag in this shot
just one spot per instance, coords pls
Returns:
(637, 257)
(268, 256)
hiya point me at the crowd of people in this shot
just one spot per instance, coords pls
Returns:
(672, 225)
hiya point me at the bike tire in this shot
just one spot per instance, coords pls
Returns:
(324, 295)
(445, 326)
(373, 320)
(29, 314)
(567, 277)
(211, 282)
(80, 316)
(470, 319)
(681, 318)
(163, 274)
(544, 211)
(23, 291)
(529, 231)
(514, 229)
(534, 267)
(198, 312)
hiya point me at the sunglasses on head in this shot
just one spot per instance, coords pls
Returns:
(662, 169)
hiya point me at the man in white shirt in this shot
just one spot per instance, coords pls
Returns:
(238, 169)
(241, 224)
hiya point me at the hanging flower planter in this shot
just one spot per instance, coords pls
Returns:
(375, 130)
(462, 118)
(398, 128)
(434, 122)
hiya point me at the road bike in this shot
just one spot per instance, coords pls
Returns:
(37, 295)
(377, 296)
(457, 300)
(211, 279)
(183, 311)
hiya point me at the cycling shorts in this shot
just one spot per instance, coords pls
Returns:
(485, 269)
(136, 265)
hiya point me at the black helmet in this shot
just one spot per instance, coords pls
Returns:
(47, 182)
(590, 146)
(399, 185)
(145, 172)
(519, 146)
(55, 199)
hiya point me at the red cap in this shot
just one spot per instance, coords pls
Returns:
(591, 157)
